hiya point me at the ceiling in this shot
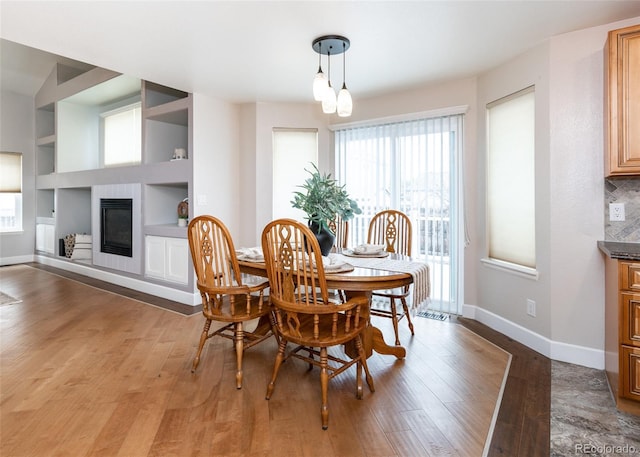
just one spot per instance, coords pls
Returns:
(260, 51)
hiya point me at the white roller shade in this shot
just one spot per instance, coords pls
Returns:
(10, 172)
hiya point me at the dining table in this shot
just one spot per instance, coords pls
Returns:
(359, 280)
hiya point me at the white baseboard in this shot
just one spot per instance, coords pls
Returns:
(158, 290)
(562, 352)
(16, 260)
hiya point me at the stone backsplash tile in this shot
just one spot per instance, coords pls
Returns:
(627, 191)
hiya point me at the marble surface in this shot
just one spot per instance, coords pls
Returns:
(584, 420)
(620, 249)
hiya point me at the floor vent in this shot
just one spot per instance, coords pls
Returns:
(434, 315)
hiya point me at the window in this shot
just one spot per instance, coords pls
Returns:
(511, 179)
(10, 191)
(412, 166)
(122, 129)
(293, 151)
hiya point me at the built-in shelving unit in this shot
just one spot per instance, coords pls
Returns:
(166, 122)
(71, 177)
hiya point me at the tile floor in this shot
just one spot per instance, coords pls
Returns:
(584, 420)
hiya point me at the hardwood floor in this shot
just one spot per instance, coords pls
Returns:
(87, 372)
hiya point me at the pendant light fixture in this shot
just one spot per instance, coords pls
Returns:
(320, 81)
(345, 104)
(329, 98)
(332, 44)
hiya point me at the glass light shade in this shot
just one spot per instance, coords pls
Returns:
(319, 85)
(329, 100)
(345, 104)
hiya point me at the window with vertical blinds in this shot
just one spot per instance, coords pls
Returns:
(10, 191)
(413, 166)
(511, 179)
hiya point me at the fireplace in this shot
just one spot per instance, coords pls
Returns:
(116, 226)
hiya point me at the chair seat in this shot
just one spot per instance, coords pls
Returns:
(240, 313)
(325, 338)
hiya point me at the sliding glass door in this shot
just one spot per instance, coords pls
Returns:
(412, 166)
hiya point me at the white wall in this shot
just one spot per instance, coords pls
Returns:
(17, 135)
(568, 73)
(499, 292)
(577, 186)
(266, 117)
(216, 163)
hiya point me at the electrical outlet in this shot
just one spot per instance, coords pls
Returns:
(616, 212)
(531, 307)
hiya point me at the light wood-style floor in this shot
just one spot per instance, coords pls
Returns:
(88, 372)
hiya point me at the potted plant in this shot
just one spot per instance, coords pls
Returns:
(322, 199)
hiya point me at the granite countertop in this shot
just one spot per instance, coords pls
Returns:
(620, 250)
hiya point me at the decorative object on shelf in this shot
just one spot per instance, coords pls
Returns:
(183, 212)
(322, 200)
(322, 90)
(179, 153)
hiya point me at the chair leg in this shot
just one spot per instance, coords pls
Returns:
(324, 386)
(238, 336)
(363, 359)
(276, 367)
(203, 338)
(407, 314)
(394, 319)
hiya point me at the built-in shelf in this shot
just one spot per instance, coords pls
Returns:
(45, 205)
(157, 94)
(174, 112)
(71, 178)
(161, 203)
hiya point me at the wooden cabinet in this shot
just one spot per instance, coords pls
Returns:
(622, 104)
(167, 259)
(622, 332)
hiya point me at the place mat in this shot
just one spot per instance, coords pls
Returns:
(376, 255)
(6, 299)
(418, 270)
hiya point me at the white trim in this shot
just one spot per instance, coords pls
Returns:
(555, 350)
(16, 260)
(508, 267)
(451, 111)
(158, 290)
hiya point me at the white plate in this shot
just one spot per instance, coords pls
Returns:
(379, 255)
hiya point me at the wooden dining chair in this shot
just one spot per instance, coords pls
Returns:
(304, 313)
(340, 228)
(392, 228)
(226, 297)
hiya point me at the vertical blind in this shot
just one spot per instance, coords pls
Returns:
(412, 166)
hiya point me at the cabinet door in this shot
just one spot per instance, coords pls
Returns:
(45, 235)
(630, 319)
(622, 76)
(177, 260)
(630, 376)
(155, 257)
(629, 276)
